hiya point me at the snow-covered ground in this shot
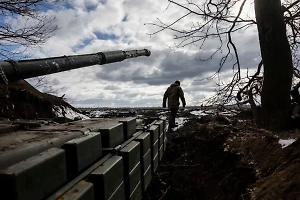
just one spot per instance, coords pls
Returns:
(180, 121)
(68, 113)
(199, 113)
(98, 113)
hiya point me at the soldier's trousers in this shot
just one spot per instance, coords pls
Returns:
(172, 116)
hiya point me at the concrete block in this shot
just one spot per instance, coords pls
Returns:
(134, 179)
(145, 168)
(129, 126)
(161, 152)
(119, 194)
(160, 123)
(154, 163)
(147, 178)
(161, 140)
(132, 166)
(154, 130)
(34, 178)
(111, 134)
(154, 149)
(131, 155)
(137, 192)
(139, 121)
(144, 140)
(107, 177)
(81, 152)
(81, 191)
(21, 145)
(146, 162)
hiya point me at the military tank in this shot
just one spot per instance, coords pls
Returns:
(97, 158)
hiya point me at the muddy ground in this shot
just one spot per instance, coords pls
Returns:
(213, 157)
(217, 157)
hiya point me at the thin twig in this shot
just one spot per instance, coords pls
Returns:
(164, 193)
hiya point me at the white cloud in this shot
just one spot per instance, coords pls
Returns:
(90, 26)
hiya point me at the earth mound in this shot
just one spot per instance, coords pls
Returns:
(20, 100)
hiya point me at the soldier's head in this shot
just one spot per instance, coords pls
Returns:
(177, 82)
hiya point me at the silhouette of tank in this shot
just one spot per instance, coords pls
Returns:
(11, 70)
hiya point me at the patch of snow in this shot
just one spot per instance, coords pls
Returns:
(98, 113)
(180, 122)
(198, 113)
(227, 113)
(285, 143)
(212, 111)
(68, 113)
(162, 113)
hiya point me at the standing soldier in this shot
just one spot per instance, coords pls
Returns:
(173, 93)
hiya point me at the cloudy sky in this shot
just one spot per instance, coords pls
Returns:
(90, 26)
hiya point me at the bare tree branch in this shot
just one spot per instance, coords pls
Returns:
(219, 20)
(24, 23)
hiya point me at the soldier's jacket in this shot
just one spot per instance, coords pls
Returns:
(173, 93)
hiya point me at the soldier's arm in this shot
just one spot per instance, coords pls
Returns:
(181, 95)
(165, 98)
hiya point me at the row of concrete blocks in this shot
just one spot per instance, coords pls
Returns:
(83, 169)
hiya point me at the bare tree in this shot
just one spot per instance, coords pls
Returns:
(278, 28)
(24, 23)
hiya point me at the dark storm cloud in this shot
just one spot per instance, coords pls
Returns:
(111, 87)
(166, 66)
(163, 66)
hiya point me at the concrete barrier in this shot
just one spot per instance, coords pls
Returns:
(119, 193)
(21, 145)
(123, 172)
(134, 184)
(34, 178)
(81, 152)
(160, 123)
(111, 134)
(132, 169)
(107, 178)
(145, 159)
(129, 126)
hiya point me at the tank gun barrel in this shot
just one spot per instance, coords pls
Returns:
(11, 70)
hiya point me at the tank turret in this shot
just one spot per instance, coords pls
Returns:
(11, 70)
